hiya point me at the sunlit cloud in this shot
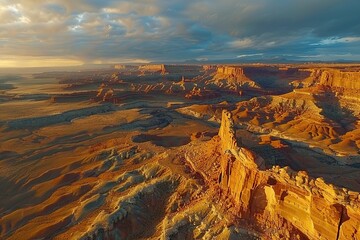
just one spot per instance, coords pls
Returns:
(159, 30)
(336, 40)
(249, 55)
(242, 43)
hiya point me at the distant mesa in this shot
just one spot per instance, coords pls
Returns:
(160, 68)
(231, 71)
(233, 76)
(119, 66)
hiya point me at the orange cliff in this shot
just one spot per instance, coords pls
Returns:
(230, 71)
(119, 66)
(153, 68)
(234, 76)
(280, 195)
(331, 78)
(337, 78)
(279, 202)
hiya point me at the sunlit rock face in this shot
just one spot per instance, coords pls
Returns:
(333, 78)
(152, 68)
(282, 198)
(337, 78)
(233, 77)
(136, 154)
(119, 66)
(230, 71)
(105, 93)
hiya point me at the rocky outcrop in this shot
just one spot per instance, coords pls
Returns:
(337, 78)
(292, 203)
(198, 93)
(105, 94)
(234, 77)
(331, 78)
(119, 66)
(153, 68)
(310, 81)
(230, 71)
(209, 67)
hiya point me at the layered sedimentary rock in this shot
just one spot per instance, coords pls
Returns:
(312, 117)
(288, 204)
(234, 76)
(153, 68)
(105, 93)
(119, 66)
(337, 78)
(230, 71)
(331, 78)
(209, 67)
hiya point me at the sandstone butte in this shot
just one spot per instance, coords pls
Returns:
(119, 66)
(233, 75)
(278, 200)
(153, 68)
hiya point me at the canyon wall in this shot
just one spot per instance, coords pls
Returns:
(291, 203)
(337, 78)
(331, 78)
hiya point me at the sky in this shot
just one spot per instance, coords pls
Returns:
(74, 32)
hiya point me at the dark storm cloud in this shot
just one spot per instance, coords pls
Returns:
(159, 30)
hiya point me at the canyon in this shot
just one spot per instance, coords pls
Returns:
(167, 151)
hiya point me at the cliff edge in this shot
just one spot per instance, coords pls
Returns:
(279, 202)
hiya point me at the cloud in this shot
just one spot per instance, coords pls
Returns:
(336, 40)
(250, 55)
(242, 43)
(160, 30)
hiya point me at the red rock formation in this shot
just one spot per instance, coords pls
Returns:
(337, 78)
(291, 203)
(331, 78)
(119, 66)
(230, 71)
(153, 68)
(194, 93)
(234, 78)
(209, 67)
(105, 94)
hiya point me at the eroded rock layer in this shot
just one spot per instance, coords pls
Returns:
(153, 68)
(336, 78)
(233, 76)
(133, 152)
(339, 80)
(287, 203)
